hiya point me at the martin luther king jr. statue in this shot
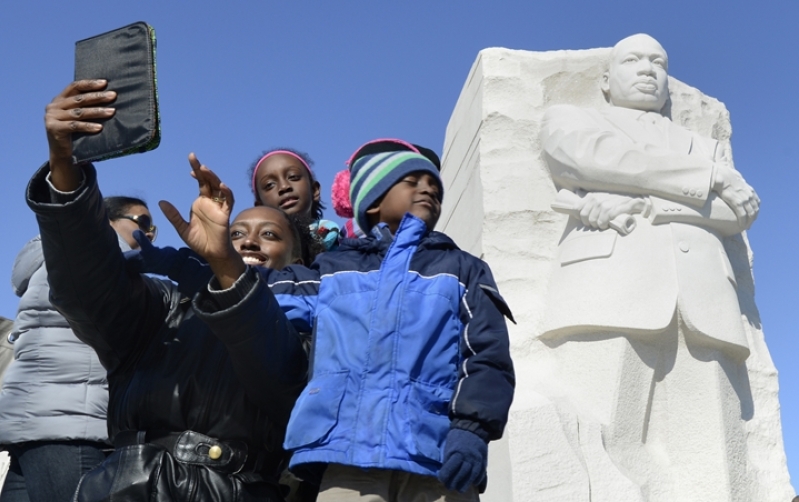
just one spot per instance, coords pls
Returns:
(642, 304)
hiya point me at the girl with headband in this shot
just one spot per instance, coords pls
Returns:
(283, 178)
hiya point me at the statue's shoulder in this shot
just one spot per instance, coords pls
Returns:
(564, 116)
(561, 109)
(565, 110)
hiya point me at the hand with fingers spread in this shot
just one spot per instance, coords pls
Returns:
(737, 193)
(207, 232)
(71, 112)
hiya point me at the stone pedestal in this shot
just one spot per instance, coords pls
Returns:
(499, 193)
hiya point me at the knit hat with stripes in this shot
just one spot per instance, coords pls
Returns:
(371, 176)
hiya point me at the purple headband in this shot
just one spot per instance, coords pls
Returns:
(276, 152)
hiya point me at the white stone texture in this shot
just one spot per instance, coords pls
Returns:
(5, 462)
(497, 207)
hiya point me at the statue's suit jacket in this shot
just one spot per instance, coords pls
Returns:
(605, 282)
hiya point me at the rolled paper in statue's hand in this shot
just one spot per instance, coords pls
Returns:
(567, 202)
(623, 223)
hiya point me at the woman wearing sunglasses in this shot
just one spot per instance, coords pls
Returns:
(54, 397)
(128, 214)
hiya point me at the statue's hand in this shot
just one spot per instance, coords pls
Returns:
(741, 197)
(599, 209)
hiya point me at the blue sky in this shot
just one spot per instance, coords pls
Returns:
(239, 77)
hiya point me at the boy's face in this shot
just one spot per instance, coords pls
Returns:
(284, 182)
(263, 237)
(416, 193)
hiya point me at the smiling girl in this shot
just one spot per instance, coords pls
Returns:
(268, 237)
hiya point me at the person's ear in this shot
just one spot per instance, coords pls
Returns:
(373, 215)
(316, 189)
(605, 84)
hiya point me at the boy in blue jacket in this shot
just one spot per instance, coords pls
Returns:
(410, 370)
(411, 374)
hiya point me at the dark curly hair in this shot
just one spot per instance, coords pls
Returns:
(317, 208)
(118, 206)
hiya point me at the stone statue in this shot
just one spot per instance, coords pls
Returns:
(642, 304)
(642, 369)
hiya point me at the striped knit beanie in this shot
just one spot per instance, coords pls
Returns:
(371, 176)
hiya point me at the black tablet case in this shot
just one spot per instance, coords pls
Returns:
(125, 57)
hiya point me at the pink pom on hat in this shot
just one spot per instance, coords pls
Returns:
(340, 194)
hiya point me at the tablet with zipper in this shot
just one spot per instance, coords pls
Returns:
(125, 57)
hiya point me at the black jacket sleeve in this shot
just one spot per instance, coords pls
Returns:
(109, 308)
(267, 352)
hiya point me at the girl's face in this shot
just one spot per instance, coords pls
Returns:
(263, 236)
(130, 222)
(284, 182)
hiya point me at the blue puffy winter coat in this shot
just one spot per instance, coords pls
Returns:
(409, 341)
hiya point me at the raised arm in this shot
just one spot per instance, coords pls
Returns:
(266, 350)
(108, 308)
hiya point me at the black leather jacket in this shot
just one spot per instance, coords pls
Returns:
(229, 366)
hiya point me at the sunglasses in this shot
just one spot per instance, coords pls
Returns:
(144, 222)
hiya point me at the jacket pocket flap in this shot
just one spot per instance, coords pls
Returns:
(316, 410)
(587, 246)
(498, 301)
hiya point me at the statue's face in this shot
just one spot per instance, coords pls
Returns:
(637, 77)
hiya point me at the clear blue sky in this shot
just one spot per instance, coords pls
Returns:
(239, 77)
